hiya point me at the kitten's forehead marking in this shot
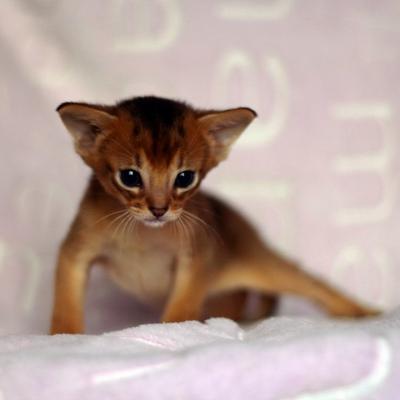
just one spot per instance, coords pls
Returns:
(179, 157)
(137, 160)
(157, 125)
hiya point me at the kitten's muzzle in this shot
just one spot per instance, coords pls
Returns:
(157, 211)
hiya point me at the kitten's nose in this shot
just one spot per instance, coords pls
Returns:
(158, 212)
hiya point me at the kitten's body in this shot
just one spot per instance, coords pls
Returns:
(141, 259)
(196, 246)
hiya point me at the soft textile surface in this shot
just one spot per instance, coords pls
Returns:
(280, 358)
(318, 173)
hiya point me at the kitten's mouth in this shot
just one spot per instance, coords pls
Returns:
(154, 223)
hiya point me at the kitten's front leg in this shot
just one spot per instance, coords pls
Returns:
(70, 285)
(188, 293)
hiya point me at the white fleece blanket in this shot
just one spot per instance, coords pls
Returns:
(278, 358)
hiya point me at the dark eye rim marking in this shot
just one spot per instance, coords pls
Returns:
(129, 178)
(184, 179)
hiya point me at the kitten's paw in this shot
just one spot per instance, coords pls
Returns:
(180, 315)
(66, 328)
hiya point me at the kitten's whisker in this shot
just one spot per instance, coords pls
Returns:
(118, 233)
(185, 228)
(182, 233)
(108, 216)
(176, 231)
(175, 225)
(132, 225)
(200, 222)
(124, 228)
(117, 229)
(189, 225)
(118, 218)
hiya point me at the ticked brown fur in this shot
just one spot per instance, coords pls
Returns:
(169, 246)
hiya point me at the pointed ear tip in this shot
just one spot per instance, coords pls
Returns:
(62, 105)
(255, 115)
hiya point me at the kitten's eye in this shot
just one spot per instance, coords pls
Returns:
(184, 179)
(130, 178)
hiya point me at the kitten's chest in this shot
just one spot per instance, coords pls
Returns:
(146, 271)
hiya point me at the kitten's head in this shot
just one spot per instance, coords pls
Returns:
(152, 153)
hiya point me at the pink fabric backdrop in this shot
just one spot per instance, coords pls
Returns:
(317, 173)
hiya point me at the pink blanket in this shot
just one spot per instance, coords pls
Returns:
(318, 173)
(279, 358)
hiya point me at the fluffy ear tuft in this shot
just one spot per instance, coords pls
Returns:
(223, 128)
(85, 123)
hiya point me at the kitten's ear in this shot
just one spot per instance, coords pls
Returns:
(85, 123)
(224, 128)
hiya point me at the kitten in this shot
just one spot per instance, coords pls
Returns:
(144, 218)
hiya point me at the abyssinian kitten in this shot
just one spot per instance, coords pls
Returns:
(161, 238)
